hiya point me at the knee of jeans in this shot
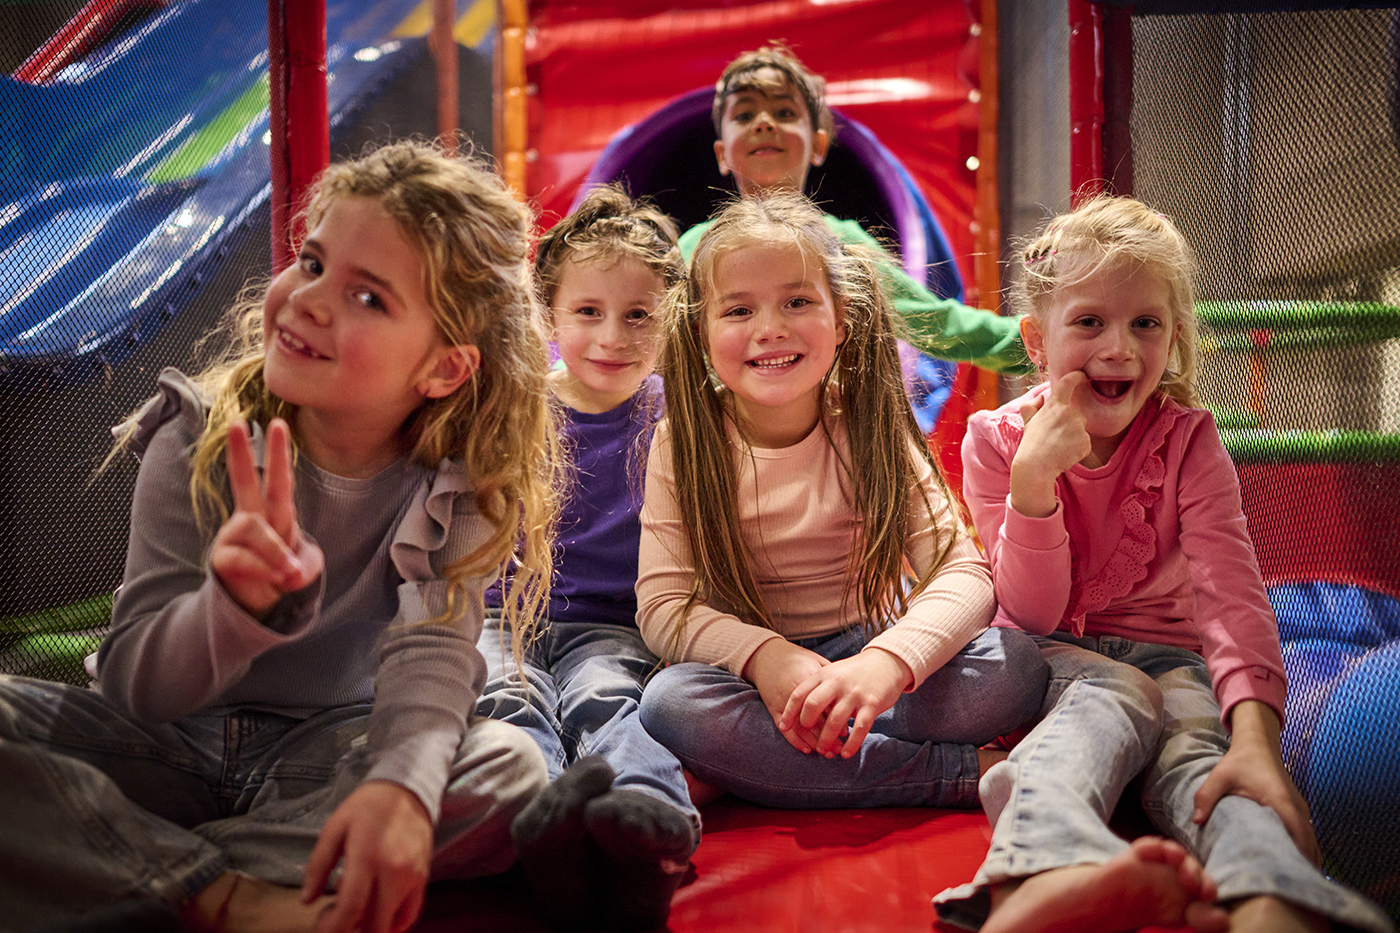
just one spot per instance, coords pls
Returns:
(670, 703)
(1135, 689)
(501, 700)
(516, 766)
(1025, 675)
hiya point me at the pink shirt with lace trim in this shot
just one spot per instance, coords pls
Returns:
(1152, 546)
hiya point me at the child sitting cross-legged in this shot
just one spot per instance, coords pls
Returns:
(609, 839)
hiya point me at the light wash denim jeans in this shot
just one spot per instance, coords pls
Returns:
(1116, 709)
(584, 686)
(97, 806)
(920, 752)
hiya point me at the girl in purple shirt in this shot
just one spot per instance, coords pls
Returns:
(1111, 515)
(611, 837)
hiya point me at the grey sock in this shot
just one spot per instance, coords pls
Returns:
(559, 859)
(646, 845)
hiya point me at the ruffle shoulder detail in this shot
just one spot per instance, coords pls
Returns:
(443, 510)
(177, 398)
(1127, 567)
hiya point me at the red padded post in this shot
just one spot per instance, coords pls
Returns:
(1086, 166)
(300, 128)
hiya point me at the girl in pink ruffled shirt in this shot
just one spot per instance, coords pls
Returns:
(1111, 515)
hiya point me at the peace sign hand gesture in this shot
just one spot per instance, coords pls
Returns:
(260, 554)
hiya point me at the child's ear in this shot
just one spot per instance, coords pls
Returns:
(821, 142)
(452, 368)
(719, 157)
(1033, 339)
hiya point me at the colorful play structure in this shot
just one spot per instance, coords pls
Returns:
(148, 146)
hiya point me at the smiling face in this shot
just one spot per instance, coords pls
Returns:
(1117, 326)
(349, 334)
(604, 328)
(766, 136)
(772, 329)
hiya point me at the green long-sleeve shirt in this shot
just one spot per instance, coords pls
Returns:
(941, 327)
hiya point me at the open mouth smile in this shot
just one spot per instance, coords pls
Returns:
(1110, 388)
(775, 362)
(298, 346)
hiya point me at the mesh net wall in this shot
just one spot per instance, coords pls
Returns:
(116, 253)
(134, 178)
(1271, 138)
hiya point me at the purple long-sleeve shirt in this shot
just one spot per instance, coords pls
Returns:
(595, 560)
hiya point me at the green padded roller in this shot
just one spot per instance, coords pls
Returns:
(1265, 446)
(1371, 317)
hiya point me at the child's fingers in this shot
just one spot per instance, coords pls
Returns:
(242, 471)
(837, 722)
(323, 860)
(865, 718)
(798, 739)
(352, 897)
(250, 535)
(408, 912)
(1063, 392)
(1029, 407)
(794, 710)
(280, 508)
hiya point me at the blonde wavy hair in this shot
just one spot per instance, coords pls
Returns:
(474, 238)
(864, 390)
(1108, 233)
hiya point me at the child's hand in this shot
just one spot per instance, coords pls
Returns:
(385, 837)
(260, 553)
(775, 669)
(1055, 439)
(1253, 769)
(860, 687)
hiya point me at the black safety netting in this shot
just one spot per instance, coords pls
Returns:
(134, 192)
(1271, 139)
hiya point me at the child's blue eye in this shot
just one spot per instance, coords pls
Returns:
(310, 264)
(1147, 322)
(586, 311)
(739, 311)
(369, 299)
(638, 316)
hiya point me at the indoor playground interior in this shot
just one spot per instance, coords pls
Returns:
(147, 148)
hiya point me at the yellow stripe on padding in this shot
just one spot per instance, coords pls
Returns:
(475, 23)
(470, 29)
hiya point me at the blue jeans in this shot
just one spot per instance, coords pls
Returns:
(1116, 709)
(583, 685)
(98, 806)
(920, 752)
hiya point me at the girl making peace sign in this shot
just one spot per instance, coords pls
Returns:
(281, 735)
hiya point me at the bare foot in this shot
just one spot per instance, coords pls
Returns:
(1265, 914)
(1154, 883)
(239, 903)
(700, 792)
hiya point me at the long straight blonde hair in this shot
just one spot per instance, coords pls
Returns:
(864, 391)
